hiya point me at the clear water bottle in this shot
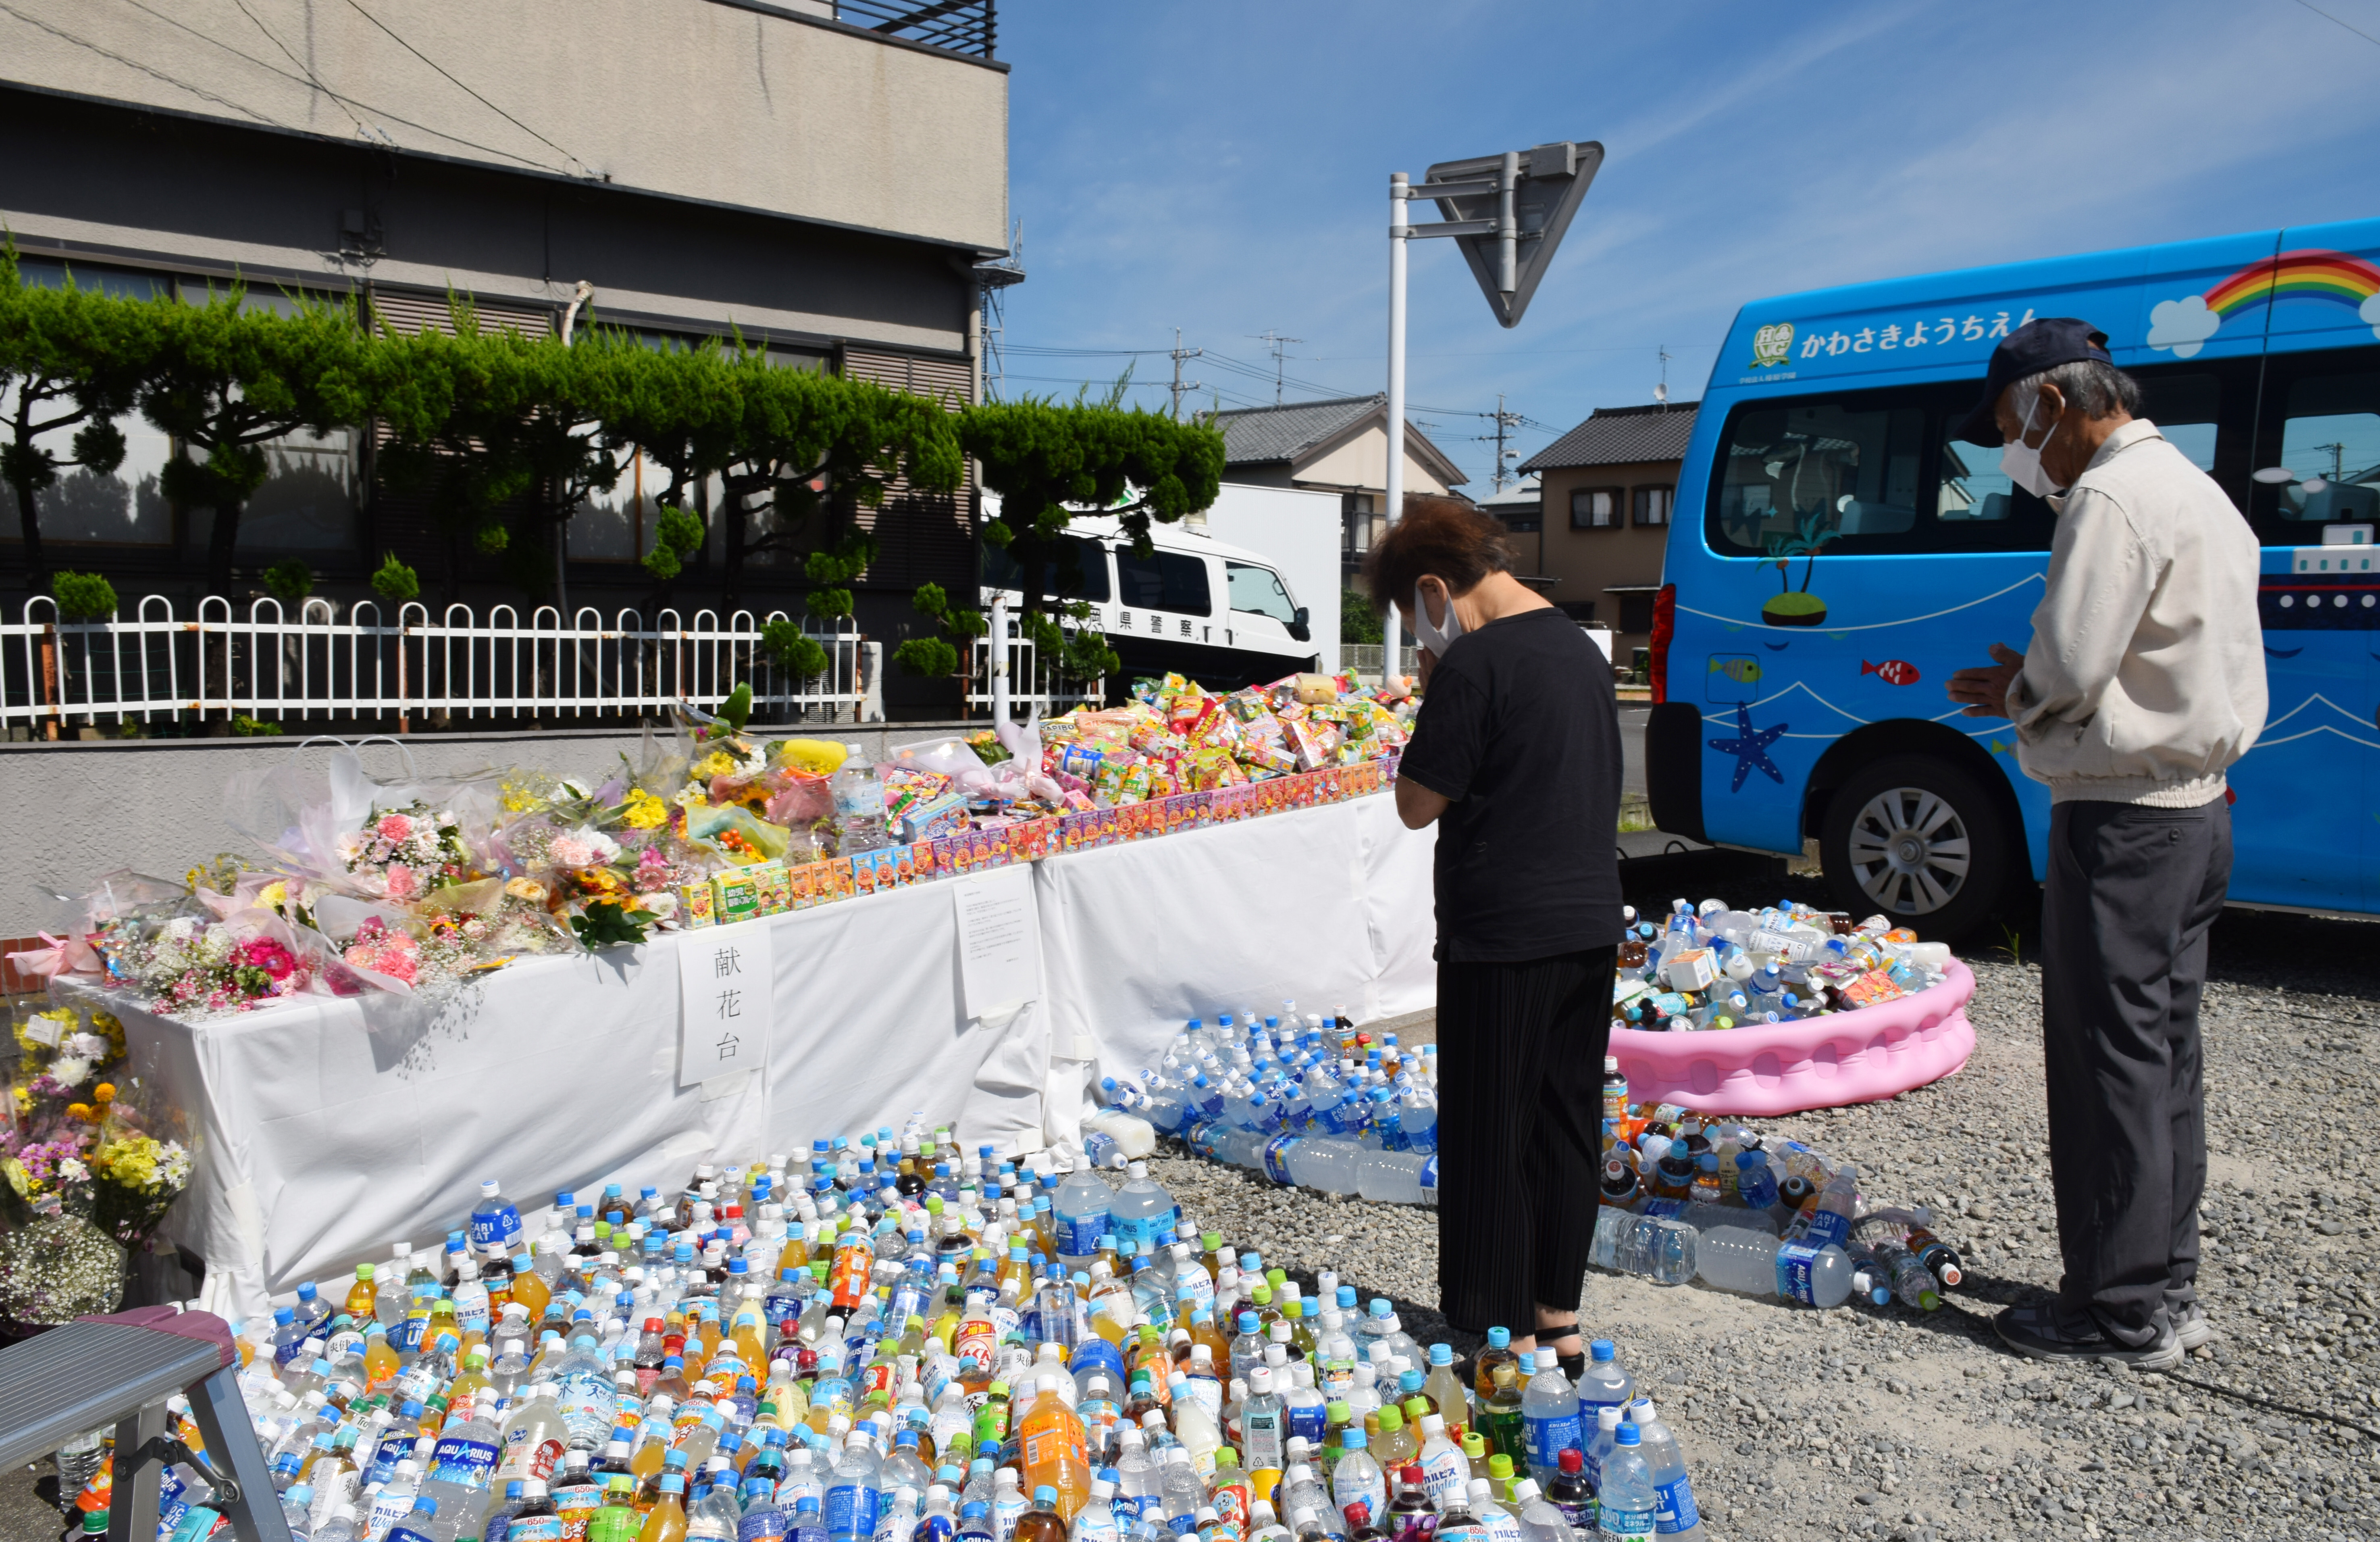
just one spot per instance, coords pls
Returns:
(79, 1462)
(1757, 1265)
(1627, 1506)
(1674, 1513)
(858, 807)
(1661, 1249)
(1142, 1208)
(1604, 1383)
(1550, 1416)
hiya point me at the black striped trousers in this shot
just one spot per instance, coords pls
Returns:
(1519, 1120)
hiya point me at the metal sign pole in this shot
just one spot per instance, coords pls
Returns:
(1391, 628)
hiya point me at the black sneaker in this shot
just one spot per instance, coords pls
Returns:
(2041, 1333)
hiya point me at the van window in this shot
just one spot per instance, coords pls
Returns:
(1260, 592)
(2329, 469)
(1794, 473)
(1077, 569)
(1164, 581)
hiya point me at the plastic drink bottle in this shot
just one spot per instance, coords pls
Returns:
(851, 1494)
(1051, 1442)
(1142, 1209)
(1569, 1495)
(1625, 1503)
(974, 1522)
(1042, 1523)
(1501, 1415)
(1607, 1420)
(1357, 1484)
(858, 808)
(1456, 1522)
(1757, 1265)
(421, 1524)
(1096, 1522)
(463, 1462)
(1444, 1472)
(1182, 1491)
(1605, 1382)
(666, 1520)
(1830, 1219)
(1674, 1513)
(1549, 1409)
(1912, 1280)
(1264, 1423)
(1540, 1520)
(534, 1436)
(1398, 1444)
(1501, 1523)
(1411, 1518)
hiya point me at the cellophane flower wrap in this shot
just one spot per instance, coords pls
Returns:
(91, 1164)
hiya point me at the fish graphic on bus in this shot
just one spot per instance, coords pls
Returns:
(1893, 671)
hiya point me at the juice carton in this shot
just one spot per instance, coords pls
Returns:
(738, 898)
(697, 905)
(775, 889)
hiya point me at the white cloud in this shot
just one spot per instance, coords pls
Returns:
(2369, 311)
(2182, 325)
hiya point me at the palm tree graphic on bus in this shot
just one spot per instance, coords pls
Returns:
(1793, 607)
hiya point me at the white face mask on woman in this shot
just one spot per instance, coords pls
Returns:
(2022, 464)
(1427, 633)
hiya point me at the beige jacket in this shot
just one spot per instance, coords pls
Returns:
(2145, 677)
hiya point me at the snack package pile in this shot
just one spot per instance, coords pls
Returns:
(1714, 967)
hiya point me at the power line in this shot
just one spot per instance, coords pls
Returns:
(1181, 353)
(1277, 340)
(2327, 17)
(358, 8)
(302, 66)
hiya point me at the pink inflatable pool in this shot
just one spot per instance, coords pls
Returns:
(1783, 1068)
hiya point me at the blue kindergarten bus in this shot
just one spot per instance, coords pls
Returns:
(1837, 554)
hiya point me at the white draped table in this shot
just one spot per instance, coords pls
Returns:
(321, 1143)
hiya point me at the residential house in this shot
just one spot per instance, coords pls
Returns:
(1520, 509)
(1338, 446)
(1608, 487)
(820, 178)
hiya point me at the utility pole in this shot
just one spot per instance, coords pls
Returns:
(1180, 385)
(1505, 423)
(1276, 339)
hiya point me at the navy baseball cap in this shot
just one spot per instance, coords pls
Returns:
(2041, 344)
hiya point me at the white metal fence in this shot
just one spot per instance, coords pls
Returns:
(1363, 658)
(328, 665)
(1031, 683)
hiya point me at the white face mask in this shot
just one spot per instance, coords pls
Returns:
(1427, 634)
(2021, 464)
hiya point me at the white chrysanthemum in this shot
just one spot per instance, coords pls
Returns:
(182, 928)
(173, 1164)
(89, 1047)
(70, 1071)
(169, 958)
(215, 946)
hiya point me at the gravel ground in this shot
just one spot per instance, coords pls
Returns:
(1895, 1423)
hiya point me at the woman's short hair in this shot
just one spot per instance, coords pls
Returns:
(1443, 537)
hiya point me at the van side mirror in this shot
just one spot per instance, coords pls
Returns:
(1298, 628)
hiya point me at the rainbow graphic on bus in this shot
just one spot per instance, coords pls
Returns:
(2183, 326)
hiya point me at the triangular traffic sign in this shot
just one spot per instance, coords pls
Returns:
(1553, 182)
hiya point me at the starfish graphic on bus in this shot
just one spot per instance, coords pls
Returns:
(1749, 748)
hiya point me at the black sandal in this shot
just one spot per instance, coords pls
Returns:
(1572, 1366)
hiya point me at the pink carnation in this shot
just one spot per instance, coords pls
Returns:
(394, 826)
(404, 883)
(269, 956)
(572, 852)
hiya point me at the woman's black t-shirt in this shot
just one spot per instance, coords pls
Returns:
(1519, 730)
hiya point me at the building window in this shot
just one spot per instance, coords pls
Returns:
(1635, 613)
(1355, 526)
(1595, 508)
(1652, 505)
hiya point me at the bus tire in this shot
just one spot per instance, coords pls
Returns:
(1919, 841)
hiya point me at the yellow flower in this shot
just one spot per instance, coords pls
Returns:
(23, 1097)
(18, 1179)
(79, 1110)
(526, 888)
(645, 810)
(274, 896)
(104, 1093)
(718, 763)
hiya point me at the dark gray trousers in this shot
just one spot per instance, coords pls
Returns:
(2131, 895)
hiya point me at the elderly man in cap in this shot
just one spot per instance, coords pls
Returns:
(2145, 680)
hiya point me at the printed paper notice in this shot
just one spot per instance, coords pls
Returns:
(1000, 943)
(725, 1001)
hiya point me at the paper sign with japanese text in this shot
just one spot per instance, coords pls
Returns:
(725, 1001)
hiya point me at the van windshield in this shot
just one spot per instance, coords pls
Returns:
(1258, 591)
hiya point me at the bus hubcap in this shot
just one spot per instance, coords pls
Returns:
(1910, 851)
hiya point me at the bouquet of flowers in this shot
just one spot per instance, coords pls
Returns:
(401, 854)
(89, 1173)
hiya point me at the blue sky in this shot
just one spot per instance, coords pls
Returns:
(1224, 166)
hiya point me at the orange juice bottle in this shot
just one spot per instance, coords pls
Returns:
(1052, 1446)
(751, 1336)
(380, 1364)
(667, 1521)
(360, 1298)
(530, 1290)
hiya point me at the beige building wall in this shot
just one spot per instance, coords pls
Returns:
(685, 98)
(1588, 561)
(1362, 461)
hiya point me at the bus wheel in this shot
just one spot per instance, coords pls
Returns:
(1921, 841)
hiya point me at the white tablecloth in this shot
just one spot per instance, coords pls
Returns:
(320, 1145)
(1327, 907)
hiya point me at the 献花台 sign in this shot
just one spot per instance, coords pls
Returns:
(725, 1001)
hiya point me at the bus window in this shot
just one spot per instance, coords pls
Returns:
(1164, 581)
(2330, 466)
(1258, 591)
(2185, 407)
(1800, 472)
